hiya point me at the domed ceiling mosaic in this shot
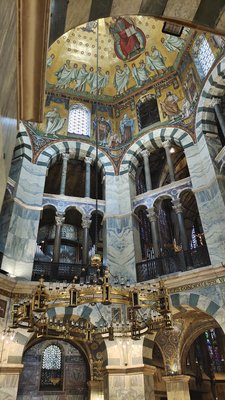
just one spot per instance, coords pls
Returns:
(132, 52)
(145, 79)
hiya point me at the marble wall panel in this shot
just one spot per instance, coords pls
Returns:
(120, 247)
(120, 202)
(15, 169)
(8, 384)
(5, 222)
(31, 183)
(119, 227)
(20, 243)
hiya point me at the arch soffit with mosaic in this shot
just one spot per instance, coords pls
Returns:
(213, 87)
(152, 141)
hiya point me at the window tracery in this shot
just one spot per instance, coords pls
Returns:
(203, 56)
(79, 120)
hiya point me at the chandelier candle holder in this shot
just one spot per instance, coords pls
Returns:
(123, 311)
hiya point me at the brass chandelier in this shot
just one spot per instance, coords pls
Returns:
(141, 309)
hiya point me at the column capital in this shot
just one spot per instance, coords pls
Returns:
(177, 206)
(214, 101)
(88, 160)
(151, 214)
(59, 219)
(86, 221)
(145, 153)
(176, 378)
(66, 156)
(166, 144)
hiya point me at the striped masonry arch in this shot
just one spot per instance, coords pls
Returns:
(208, 15)
(79, 149)
(89, 313)
(23, 146)
(86, 312)
(214, 86)
(150, 141)
(203, 303)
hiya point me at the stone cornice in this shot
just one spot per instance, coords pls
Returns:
(134, 369)
(10, 368)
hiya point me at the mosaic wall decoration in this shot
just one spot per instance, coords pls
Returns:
(138, 67)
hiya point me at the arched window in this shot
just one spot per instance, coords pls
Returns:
(51, 369)
(79, 120)
(203, 56)
(147, 111)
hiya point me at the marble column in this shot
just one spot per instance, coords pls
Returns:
(151, 214)
(215, 103)
(86, 222)
(145, 154)
(64, 172)
(88, 161)
(59, 220)
(177, 387)
(177, 207)
(166, 146)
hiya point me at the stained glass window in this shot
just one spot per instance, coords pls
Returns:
(203, 56)
(51, 371)
(79, 120)
(213, 350)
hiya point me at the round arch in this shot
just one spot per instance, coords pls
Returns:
(203, 303)
(153, 140)
(23, 147)
(214, 86)
(79, 149)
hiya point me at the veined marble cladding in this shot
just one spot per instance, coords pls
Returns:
(9, 385)
(15, 169)
(120, 247)
(119, 227)
(5, 222)
(209, 199)
(31, 183)
(20, 243)
(22, 233)
(120, 202)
